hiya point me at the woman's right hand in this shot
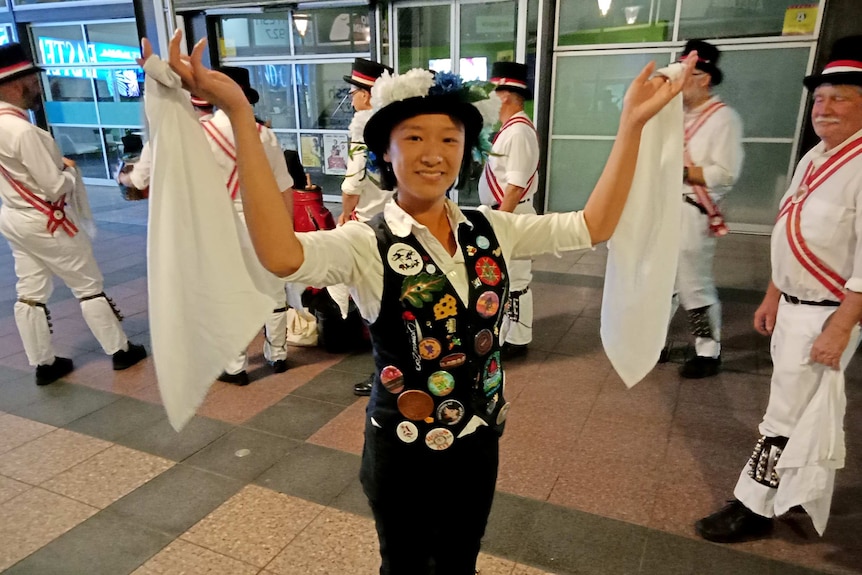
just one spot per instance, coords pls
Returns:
(208, 84)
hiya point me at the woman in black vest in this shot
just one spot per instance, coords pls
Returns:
(431, 281)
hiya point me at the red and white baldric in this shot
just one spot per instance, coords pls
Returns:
(717, 226)
(792, 210)
(496, 189)
(54, 211)
(226, 146)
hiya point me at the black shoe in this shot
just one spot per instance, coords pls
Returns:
(46, 374)
(699, 367)
(278, 366)
(363, 388)
(513, 350)
(735, 523)
(240, 378)
(126, 359)
(664, 356)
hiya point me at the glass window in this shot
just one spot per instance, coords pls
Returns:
(84, 145)
(589, 91)
(488, 34)
(332, 31)
(69, 99)
(324, 100)
(574, 169)
(113, 43)
(5, 35)
(272, 81)
(631, 21)
(314, 151)
(114, 146)
(738, 19)
(424, 38)
(287, 140)
(60, 45)
(754, 198)
(385, 45)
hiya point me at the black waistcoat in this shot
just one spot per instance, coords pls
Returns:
(437, 359)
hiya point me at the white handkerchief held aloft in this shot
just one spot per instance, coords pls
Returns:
(816, 449)
(203, 309)
(643, 252)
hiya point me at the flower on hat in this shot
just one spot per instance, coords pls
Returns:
(393, 88)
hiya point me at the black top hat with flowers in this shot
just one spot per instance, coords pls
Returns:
(844, 66)
(707, 58)
(241, 76)
(14, 63)
(365, 73)
(511, 76)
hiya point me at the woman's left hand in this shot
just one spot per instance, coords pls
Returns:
(646, 96)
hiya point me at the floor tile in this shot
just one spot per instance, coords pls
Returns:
(332, 386)
(345, 431)
(313, 473)
(159, 438)
(668, 555)
(188, 559)
(176, 499)
(295, 417)
(104, 544)
(254, 525)
(10, 488)
(490, 565)
(511, 517)
(61, 403)
(335, 542)
(33, 519)
(243, 453)
(44, 457)
(352, 499)
(16, 431)
(118, 418)
(107, 476)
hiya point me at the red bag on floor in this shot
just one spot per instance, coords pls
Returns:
(309, 213)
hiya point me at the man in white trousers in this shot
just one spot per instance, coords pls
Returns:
(220, 136)
(508, 184)
(812, 310)
(37, 188)
(712, 162)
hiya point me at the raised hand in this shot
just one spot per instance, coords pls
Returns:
(646, 96)
(146, 52)
(208, 84)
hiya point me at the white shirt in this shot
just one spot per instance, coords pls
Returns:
(349, 254)
(271, 147)
(831, 224)
(717, 148)
(357, 182)
(514, 159)
(32, 158)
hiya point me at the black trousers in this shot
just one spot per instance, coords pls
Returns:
(430, 507)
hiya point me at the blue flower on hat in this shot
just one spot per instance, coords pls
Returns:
(445, 83)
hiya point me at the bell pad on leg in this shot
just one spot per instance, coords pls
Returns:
(763, 460)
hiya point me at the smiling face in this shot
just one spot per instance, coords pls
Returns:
(426, 152)
(837, 113)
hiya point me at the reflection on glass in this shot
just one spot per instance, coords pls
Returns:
(58, 45)
(332, 31)
(287, 140)
(755, 197)
(575, 167)
(625, 21)
(314, 157)
(114, 146)
(272, 81)
(752, 77)
(710, 19)
(589, 91)
(324, 101)
(487, 35)
(84, 146)
(423, 36)
(5, 35)
(113, 43)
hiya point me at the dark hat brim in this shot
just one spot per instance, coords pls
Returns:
(380, 125)
(21, 74)
(528, 95)
(713, 71)
(836, 78)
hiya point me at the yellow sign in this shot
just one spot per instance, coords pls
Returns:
(800, 20)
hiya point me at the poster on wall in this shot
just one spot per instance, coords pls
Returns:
(311, 150)
(335, 150)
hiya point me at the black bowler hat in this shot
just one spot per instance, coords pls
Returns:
(844, 66)
(707, 59)
(511, 76)
(241, 77)
(133, 145)
(365, 73)
(14, 63)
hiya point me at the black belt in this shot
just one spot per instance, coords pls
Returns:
(699, 206)
(497, 206)
(796, 301)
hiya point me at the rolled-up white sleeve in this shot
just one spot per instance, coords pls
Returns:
(344, 255)
(524, 236)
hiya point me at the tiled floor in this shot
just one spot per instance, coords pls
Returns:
(594, 478)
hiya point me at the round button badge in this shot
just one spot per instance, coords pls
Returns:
(488, 304)
(450, 412)
(488, 271)
(392, 379)
(403, 259)
(441, 383)
(429, 348)
(483, 242)
(439, 438)
(483, 342)
(407, 432)
(415, 405)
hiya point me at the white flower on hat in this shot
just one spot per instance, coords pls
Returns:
(412, 84)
